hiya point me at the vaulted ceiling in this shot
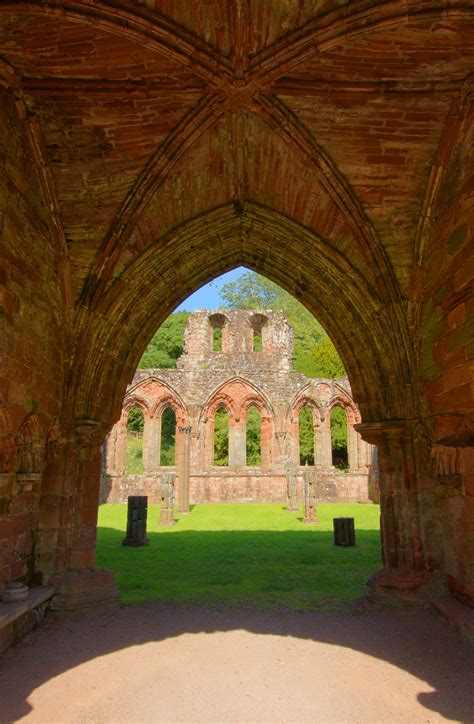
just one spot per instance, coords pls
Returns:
(148, 113)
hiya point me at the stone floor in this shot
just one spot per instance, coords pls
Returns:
(162, 663)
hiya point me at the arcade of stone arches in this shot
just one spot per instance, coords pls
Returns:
(276, 441)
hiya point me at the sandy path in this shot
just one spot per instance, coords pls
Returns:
(157, 663)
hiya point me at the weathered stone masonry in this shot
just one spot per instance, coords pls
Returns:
(235, 379)
(145, 148)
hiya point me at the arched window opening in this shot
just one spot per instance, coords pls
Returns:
(339, 438)
(217, 322)
(258, 323)
(253, 437)
(221, 437)
(168, 437)
(135, 426)
(306, 435)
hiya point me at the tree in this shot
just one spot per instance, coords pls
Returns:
(167, 343)
(325, 361)
(135, 420)
(250, 291)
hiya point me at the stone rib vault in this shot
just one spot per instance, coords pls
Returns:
(146, 147)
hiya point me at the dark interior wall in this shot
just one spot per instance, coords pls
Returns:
(32, 338)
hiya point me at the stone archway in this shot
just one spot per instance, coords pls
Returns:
(226, 152)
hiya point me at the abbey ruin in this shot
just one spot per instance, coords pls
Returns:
(147, 147)
(236, 361)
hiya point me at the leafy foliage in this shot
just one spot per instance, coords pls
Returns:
(135, 420)
(221, 437)
(324, 358)
(217, 339)
(167, 343)
(315, 355)
(253, 436)
(168, 437)
(306, 436)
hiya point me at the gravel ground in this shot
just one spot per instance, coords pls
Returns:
(161, 663)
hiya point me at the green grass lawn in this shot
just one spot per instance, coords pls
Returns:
(236, 555)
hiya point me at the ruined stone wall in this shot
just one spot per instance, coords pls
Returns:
(447, 354)
(32, 336)
(131, 176)
(253, 486)
(236, 378)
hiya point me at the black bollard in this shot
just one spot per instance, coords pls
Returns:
(136, 521)
(344, 532)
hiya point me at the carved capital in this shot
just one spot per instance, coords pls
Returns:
(385, 433)
(89, 435)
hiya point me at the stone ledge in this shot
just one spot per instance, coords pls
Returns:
(457, 614)
(11, 612)
(20, 617)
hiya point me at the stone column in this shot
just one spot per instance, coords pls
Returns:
(291, 483)
(67, 524)
(183, 442)
(453, 466)
(151, 445)
(352, 447)
(167, 498)
(295, 439)
(121, 447)
(309, 488)
(237, 442)
(402, 551)
(326, 445)
(318, 435)
(266, 440)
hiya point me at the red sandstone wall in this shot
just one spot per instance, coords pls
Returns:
(31, 339)
(245, 487)
(447, 358)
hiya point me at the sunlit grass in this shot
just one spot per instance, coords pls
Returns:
(235, 555)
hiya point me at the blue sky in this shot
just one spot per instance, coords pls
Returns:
(207, 297)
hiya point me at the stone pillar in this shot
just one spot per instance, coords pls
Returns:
(167, 498)
(373, 482)
(67, 526)
(121, 446)
(151, 445)
(137, 512)
(291, 483)
(183, 460)
(454, 491)
(309, 488)
(237, 442)
(318, 435)
(402, 550)
(266, 440)
(352, 446)
(295, 439)
(326, 445)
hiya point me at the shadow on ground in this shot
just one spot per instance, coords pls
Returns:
(413, 641)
